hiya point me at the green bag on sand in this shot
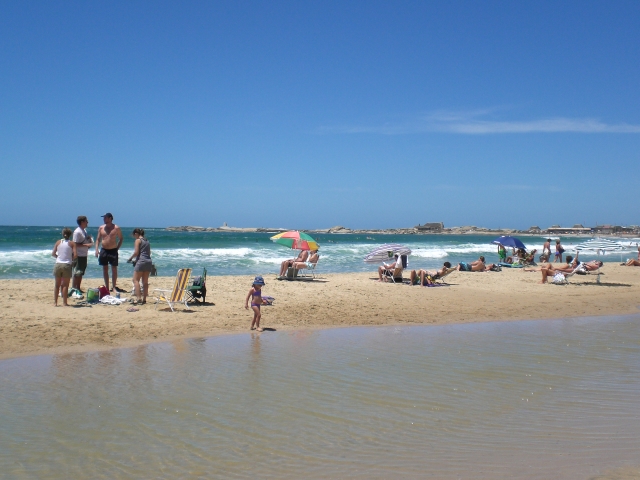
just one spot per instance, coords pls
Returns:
(93, 295)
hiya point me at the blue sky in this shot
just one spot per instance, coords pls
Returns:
(314, 114)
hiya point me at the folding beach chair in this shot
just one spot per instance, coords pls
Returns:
(396, 275)
(178, 293)
(197, 291)
(440, 279)
(309, 270)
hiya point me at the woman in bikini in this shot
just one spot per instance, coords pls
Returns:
(255, 294)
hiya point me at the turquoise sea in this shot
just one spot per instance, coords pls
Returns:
(25, 252)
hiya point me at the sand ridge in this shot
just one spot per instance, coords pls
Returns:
(29, 324)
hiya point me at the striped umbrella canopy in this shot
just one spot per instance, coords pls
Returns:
(600, 246)
(296, 240)
(386, 252)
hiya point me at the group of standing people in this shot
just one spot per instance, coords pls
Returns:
(72, 250)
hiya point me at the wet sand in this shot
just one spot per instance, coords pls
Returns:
(30, 324)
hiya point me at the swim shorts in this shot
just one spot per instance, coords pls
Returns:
(465, 267)
(79, 266)
(108, 257)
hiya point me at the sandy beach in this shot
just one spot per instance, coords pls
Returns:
(29, 324)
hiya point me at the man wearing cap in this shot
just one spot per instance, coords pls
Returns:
(111, 237)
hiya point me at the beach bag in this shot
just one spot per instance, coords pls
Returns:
(102, 291)
(154, 271)
(559, 279)
(93, 295)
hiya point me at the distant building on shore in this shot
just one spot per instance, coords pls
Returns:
(611, 229)
(576, 229)
(430, 227)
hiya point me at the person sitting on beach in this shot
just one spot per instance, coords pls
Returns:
(310, 263)
(518, 257)
(427, 277)
(477, 266)
(388, 270)
(550, 270)
(65, 253)
(633, 263)
(529, 258)
(284, 266)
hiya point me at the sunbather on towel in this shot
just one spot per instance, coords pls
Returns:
(477, 266)
(426, 277)
(388, 269)
(302, 257)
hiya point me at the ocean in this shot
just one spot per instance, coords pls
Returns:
(25, 252)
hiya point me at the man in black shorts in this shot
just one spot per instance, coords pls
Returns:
(111, 238)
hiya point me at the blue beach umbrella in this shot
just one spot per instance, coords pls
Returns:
(507, 241)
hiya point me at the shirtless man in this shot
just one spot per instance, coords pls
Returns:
(546, 248)
(302, 257)
(477, 266)
(111, 237)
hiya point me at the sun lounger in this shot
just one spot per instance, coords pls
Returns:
(178, 293)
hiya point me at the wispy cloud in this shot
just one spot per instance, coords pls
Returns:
(477, 123)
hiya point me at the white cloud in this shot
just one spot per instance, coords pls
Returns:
(475, 123)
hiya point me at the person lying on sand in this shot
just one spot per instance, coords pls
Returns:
(477, 266)
(426, 277)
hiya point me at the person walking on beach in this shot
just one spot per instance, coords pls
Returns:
(559, 252)
(83, 242)
(64, 251)
(255, 294)
(142, 266)
(546, 248)
(111, 237)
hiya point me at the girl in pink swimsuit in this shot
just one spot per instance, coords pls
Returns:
(256, 300)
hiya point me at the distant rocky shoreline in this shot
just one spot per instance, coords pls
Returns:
(465, 230)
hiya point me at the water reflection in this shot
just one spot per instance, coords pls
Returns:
(546, 399)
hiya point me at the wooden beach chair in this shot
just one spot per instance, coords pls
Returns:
(178, 293)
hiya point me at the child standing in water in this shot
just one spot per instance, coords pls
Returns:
(256, 301)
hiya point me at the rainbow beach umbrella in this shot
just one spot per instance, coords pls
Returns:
(296, 240)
